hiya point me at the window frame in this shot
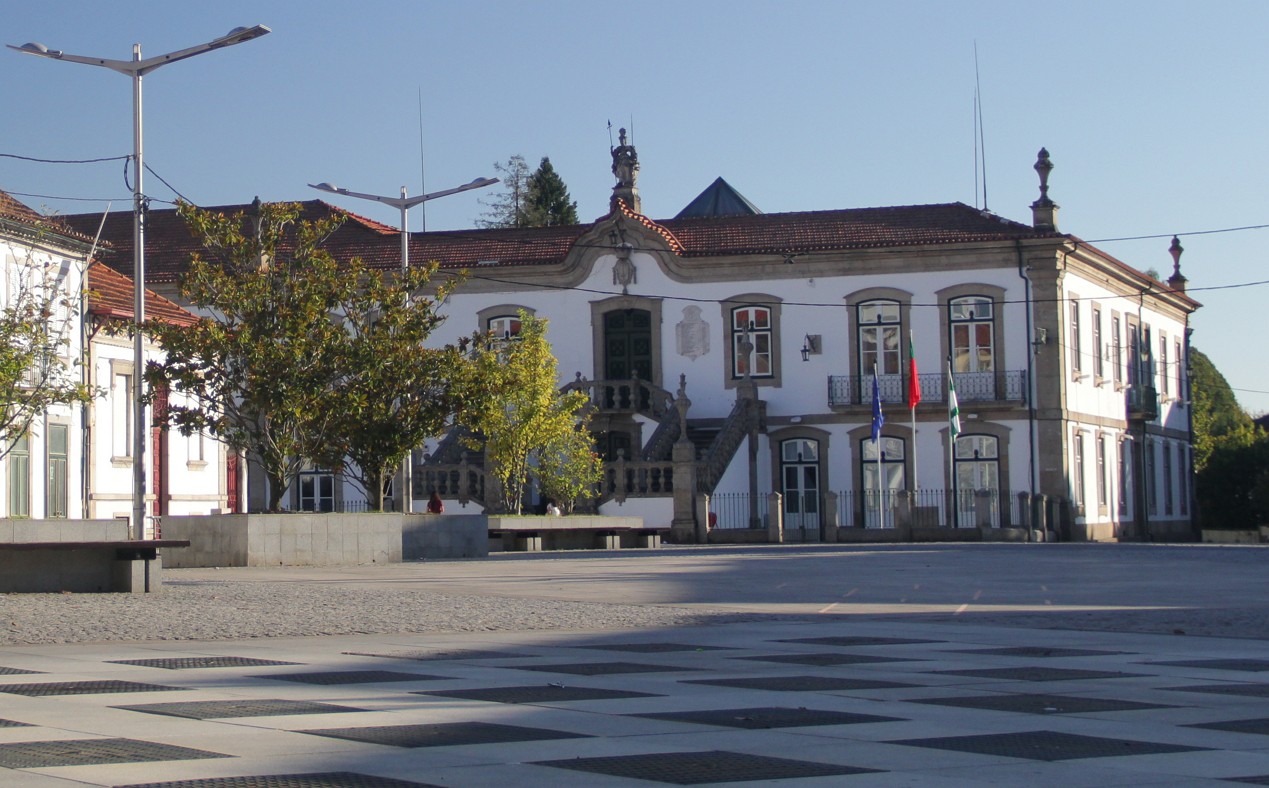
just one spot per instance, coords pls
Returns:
(731, 308)
(19, 477)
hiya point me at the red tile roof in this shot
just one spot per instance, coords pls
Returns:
(15, 210)
(169, 244)
(110, 296)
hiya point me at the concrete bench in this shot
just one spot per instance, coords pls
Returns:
(133, 566)
(534, 533)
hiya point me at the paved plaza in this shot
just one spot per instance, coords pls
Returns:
(1071, 665)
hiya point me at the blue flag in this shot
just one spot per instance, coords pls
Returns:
(877, 418)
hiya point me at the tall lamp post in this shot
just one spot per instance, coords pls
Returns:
(136, 68)
(405, 203)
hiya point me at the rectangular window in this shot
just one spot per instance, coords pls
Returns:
(1079, 470)
(20, 478)
(1134, 354)
(1180, 371)
(1076, 352)
(121, 413)
(1101, 471)
(1183, 468)
(1116, 345)
(58, 470)
(1124, 480)
(1165, 374)
(317, 491)
(754, 324)
(1152, 498)
(1098, 354)
(1167, 479)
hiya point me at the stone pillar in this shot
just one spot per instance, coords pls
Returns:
(775, 518)
(686, 527)
(831, 518)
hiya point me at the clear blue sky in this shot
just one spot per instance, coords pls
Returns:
(1154, 113)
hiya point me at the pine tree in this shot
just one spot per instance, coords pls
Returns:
(509, 207)
(549, 203)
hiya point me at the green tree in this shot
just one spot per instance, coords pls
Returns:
(549, 204)
(509, 207)
(36, 368)
(1231, 455)
(260, 370)
(394, 392)
(568, 469)
(526, 418)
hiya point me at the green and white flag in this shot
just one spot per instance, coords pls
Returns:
(953, 407)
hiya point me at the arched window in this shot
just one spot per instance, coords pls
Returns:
(972, 323)
(754, 323)
(504, 326)
(879, 343)
(880, 499)
(977, 468)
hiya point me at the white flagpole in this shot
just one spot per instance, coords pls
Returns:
(881, 482)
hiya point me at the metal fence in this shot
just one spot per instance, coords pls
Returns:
(729, 511)
(932, 508)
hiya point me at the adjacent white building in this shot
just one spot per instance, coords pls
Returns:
(75, 461)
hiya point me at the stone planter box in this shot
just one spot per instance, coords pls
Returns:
(313, 539)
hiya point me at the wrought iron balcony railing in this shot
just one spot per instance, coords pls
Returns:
(1004, 386)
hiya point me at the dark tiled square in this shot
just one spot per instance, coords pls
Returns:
(603, 668)
(444, 734)
(654, 648)
(229, 709)
(801, 683)
(1249, 665)
(1038, 674)
(1041, 652)
(425, 655)
(1246, 690)
(322, 780)
(824, 660)
(1259, 725)
(16, 671)
(336, 677)
(1258, 780)
(13, 724)
(1042, 704)
(767, 717)
(85, 752)
(858, 641)
(1046, 745)
(538, 693)
(190, 663)
(84, 688)
(700, 768)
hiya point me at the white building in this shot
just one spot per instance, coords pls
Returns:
(76, 461)
(1069, 366)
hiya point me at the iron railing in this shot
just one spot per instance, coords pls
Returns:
(735, 511)
(932, 508)
(1004, 386)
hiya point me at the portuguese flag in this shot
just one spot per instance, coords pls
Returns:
(914, 383)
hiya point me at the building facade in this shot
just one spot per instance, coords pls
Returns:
(733, 358)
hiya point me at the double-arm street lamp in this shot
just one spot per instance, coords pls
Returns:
(405, 203)
(136, 68)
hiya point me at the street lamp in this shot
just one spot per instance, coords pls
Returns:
(405, 203)
(137, 68)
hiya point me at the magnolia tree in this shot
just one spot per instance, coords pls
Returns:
(531, 429)
(37, 367)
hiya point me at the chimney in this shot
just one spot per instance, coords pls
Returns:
(1176, 281)
(1044, 211)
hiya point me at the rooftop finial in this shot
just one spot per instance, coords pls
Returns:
(1177, 280)
(1044, 210)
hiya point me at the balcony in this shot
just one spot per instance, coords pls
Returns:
(1142, 403)
(1008, 386)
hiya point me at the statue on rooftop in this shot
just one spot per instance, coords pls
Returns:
(625, 162)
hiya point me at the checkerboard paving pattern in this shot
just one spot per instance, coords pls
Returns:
(703, 705)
